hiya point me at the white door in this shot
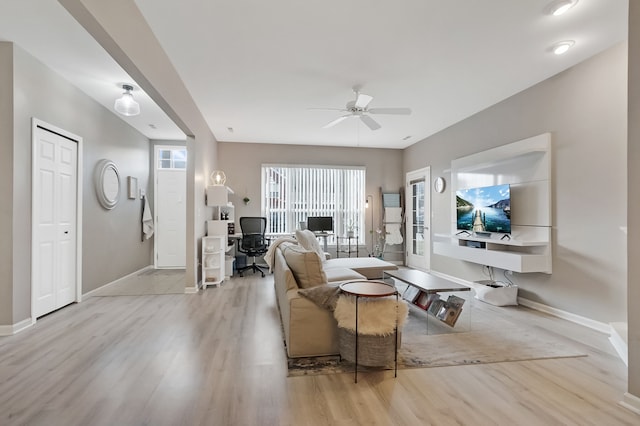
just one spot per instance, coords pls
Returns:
(418, 219)
(171, 207)
(55, 226)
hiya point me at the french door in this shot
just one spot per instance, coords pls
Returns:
(418, 219)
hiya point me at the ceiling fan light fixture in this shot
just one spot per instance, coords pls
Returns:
(126, 105)
(560, 7)
(562, 47)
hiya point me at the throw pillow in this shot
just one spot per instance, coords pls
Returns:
(309, 241)
(325, 296)
(306, 266)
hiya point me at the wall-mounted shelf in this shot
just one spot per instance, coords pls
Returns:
(218, 195)
(526, 166)
(514, 255)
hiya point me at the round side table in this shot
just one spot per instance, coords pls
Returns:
(371, 289)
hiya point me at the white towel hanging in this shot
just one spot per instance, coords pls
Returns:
(394, 236)
(147, 220)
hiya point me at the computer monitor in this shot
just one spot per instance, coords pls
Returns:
(320, 223)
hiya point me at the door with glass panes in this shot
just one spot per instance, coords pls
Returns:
(170, 207)
(418, 205)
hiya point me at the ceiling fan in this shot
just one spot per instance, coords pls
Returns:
(359, 108)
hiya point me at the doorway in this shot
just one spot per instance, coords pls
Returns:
(418, 219)
(170, 207)
(56, 222)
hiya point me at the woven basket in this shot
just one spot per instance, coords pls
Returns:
(373, 350)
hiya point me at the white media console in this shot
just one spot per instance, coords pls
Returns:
(526, 166)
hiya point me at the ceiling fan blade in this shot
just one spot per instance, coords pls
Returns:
(370, 122)
(326, 109)
(336, 121)
(399, 111)
(363, 100)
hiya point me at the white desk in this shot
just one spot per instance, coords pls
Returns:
(324, 236)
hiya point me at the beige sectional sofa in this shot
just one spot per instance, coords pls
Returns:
(310, 329)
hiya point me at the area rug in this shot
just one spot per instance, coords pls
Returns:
(504, 342)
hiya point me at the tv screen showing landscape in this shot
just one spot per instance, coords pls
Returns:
(486, 209)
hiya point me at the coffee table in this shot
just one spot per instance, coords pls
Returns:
(425, 282)
(364, 288)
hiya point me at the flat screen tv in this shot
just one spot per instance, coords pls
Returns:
(320, 223)
(486, 209)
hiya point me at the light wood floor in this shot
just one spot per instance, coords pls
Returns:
(216, 358)
(150, 281)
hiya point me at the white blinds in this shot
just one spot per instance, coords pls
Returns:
(292, 193)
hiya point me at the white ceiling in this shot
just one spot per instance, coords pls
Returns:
(260, 67)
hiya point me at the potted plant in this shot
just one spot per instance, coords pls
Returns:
(351, 230)
(246, 200)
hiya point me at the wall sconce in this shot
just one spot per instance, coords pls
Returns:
(218, 177)
(126, 105)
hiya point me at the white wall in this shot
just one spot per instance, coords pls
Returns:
(585, 110)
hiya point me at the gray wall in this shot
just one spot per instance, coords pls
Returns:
(141, 56)
(242, 163)
(6, 183)
(585, 110)
(112, 245)
(633, 152)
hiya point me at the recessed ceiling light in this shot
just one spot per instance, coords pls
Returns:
(562, 47)
(559, 7)
(406, 137)
(230, 129)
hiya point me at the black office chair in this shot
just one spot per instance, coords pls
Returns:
(253, 242)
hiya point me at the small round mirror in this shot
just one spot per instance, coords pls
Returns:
(107, 180)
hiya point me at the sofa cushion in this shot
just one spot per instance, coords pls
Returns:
(281, 271)
(306, 266)
(370, 267)
(309, 241)
(342, 274)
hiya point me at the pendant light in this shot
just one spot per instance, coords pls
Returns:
(218, 177)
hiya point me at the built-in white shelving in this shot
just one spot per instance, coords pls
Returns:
(526, 166)
(214, 245)
(213, 262)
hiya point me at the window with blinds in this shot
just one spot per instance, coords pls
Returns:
(293, 193)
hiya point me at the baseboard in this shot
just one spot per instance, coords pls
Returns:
(192, 290)
(139, 271)
(9, 330)
(631, 402)
(618, 339)
(584, 321)
(452, 278)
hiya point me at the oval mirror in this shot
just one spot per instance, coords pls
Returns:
(107, 180)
